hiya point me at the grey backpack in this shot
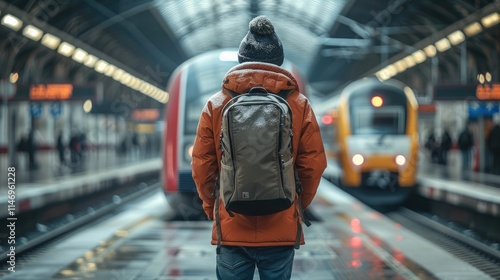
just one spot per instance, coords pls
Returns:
(257, 174)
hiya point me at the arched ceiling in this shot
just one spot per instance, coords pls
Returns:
(332, 41)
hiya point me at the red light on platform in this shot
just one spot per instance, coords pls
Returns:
(355, 225)
(356, 242)
(327, 119)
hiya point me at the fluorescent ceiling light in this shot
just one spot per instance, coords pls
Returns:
(442, 45)
(12, 22)
(50, 41)
(473, 28)
(456, 37)
(117, 75)
(66, 49)
(489, 20)
(100, 66)
(392, 70)
(125, 78)
(90, 61)
(383, 75)
(109, 70)
(32, 32)
(430, 50)
(400, 66)
(164, 98)
(79, 55)
(410, 61)
(419, 56)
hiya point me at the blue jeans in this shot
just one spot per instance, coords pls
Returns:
(236, 262)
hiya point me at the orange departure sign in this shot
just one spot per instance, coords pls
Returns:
(488, 92)
(146, 115)
(51, 92)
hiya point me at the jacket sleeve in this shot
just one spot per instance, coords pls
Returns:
(204, 161)
(311, 158)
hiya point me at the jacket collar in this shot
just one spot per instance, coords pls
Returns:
(242, 77)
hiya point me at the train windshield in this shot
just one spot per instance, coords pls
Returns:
(203, 81)
(387, 120)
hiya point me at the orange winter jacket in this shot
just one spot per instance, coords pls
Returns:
(278, 229)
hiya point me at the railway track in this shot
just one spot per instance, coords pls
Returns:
(479, 254)
(40, 235)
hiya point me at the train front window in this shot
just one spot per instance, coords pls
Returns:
(203, 81)
(387, 120)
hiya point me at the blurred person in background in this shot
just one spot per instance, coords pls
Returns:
(493, 143)
(61, 148)
(432, 146)
(444, 147)
(465, 144)
(32, 146)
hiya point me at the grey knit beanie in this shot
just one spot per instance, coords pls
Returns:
(261, 44)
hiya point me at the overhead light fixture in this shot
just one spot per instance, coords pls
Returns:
(472, 29)
(400, 66)
(32, 32)
(419, 56)
(382, 75)
(12, 22)
(125, 78)
(456, 37)
(79, 55)
(442, 45)
(410, 61)
(100, 66)
(117, 75)
(392, 70)
(491, 19)
(87, 106)
(487, 76)
(50, 41)
(109, 70)
(66, 49)
(90, 61)
(430, 50)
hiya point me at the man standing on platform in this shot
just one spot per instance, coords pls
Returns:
(266, 242)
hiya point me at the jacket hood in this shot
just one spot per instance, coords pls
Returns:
(242, 77)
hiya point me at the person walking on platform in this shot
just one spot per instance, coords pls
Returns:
(432, 146)
(445, 147)
(32, 146)
(493, 143)
(61, 148)
(465, 144)
(263, 241)
(75, 147)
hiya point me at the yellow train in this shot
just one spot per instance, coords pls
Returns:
(370, 133)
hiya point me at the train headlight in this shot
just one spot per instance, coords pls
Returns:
(188, 153)
(358, 159)
(400, 160)
(377, 101)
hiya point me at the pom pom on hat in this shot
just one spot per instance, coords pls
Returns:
(261, 44)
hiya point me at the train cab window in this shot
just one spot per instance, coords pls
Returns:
(203, 80)
(388, 120)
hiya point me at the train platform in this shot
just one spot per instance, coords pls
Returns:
(54, 182)
(469, 189)
(473, 190)
(349, 241)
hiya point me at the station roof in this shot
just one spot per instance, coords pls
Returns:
(332, 41)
